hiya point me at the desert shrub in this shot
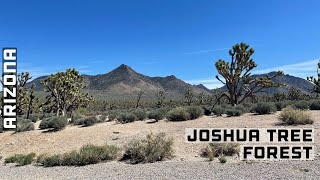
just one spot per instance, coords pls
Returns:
(148, 150)
(217, 149)
(112, 116)
(102, 118)
(178, 114)
(88, 154)
(295, 116)
(89, 121)
(92, 154)
(47, 115)
(222, 159)
(241, 108)
(24, 125)
(282, 104)
(79, 121)
(218, 110)
(207, 110)
(140, 114)
(21, 159)
(156, 114)
(49, 161)
(126, 118)
(303, 105)
(233, 112)
(279, 105)
(54, 123)
(264, 108)
(195, 112)
(34, 117)
(315, 105)
(75, 117)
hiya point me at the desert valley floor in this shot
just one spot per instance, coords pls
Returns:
(187, 163)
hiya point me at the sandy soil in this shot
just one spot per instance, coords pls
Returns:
(73, 137)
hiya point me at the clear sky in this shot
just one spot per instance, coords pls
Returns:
(161, 37)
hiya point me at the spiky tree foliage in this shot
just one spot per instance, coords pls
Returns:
(279, 96)
(237, 75)
(316, 81)
(26, 101)
(139, 98)
(189, 97)
(295, 94)
(160, 99)
(201, 99)
(65, 90)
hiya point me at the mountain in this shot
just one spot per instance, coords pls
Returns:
(123, 82)
(290, 81)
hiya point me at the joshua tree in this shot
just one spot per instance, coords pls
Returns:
(65, 90)
(237, 75)
(279, 96)
(189, 97)
(160, 97)
(201, 99)
(25, 96)
(316, 81)
(139, 98)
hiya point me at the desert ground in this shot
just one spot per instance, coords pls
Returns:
(187, 163)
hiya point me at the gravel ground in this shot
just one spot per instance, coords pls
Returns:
(187, 164)
(170, 170)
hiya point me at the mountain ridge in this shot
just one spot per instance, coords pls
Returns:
(124, 82)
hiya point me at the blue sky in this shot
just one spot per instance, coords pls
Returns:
(161, 37)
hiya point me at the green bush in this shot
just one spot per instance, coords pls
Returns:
(156, 114)
(34, 117)
(265, 108)
(148, 150)
(24, 125)
(21, 159)
(88, 154)
(90, 121)
(315, 105)
(178, 114)
(303, 105)
(222, 159)
(75, 117)
(195, 112)
(282, 104)
(49, 161)
(140, 114)
(54, 123)
(217, 149)
(126, 118)
(295, 116)
(233, 112)
(47, 115)
(112, 116)
(102, 118)
(218, 110)
(207, 110)
(241, 108)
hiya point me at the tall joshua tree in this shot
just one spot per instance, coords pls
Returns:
(160, 98)
(65, 90)
(237, 75)
(316, 81)
(139, 98)
(189, 96)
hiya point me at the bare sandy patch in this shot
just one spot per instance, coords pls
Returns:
(73, 137)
